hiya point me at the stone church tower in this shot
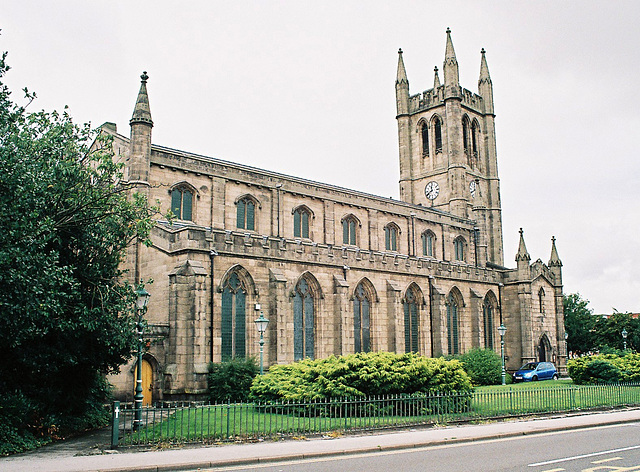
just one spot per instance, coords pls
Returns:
(336, 271)
(448, 154)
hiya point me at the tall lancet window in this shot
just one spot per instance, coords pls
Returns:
(411, 321)
(425, 139)
(303, 322)
(437, 131)
(233, 329)
(361, 320)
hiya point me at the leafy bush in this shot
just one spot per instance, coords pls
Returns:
(231, 380)
(484, 366)
(605, 368)
(360, 375)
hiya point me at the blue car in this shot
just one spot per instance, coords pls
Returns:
(533, 371)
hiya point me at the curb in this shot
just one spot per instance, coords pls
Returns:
(345, 452)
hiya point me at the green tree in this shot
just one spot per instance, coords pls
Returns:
(608, 332)
(579, 324)
(66, 313)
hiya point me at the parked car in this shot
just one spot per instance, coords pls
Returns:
(533, 371)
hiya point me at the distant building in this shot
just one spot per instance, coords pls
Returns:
(338, 271)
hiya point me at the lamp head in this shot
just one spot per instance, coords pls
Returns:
(143, 298)
(261, 323)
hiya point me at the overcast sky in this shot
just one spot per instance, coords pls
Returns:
(306, 88)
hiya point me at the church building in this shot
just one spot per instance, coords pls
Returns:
(336, 271)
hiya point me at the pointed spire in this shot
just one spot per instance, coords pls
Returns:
(401, 77)
(436, 78)
(554, 261)
(484, 69)
(142, 112)
(450, 67)
(523, 254)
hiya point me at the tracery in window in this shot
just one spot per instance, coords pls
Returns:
(361, 319)
(391, 237)
(349, 229)
(453, 309)
(245, 219)
(410, 305)
(301, 219)
(428, 244)
(458, 249)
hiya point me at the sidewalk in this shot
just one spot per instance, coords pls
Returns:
(72, 456)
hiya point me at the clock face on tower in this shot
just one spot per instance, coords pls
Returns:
(472, 188)
(432, 190)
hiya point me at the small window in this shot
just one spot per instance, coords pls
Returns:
(474, 138)
(541, 300)
(301, 219)
(390, 238)
(428, 244)
(458, 249)
(465, 135)
(425, 139)
(246, 214)
(181, 203)
(349, 226)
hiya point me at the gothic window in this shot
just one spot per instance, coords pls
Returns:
(428, 244)
(458, 249)
(182, 203)
(301, 217)
(453, 343)
(474, 138)
(233, 329)
(361, 320)
(437, 130)
(349, 225)
(303, 322)
(541, 300)
(246, 214)
(465, 134)
(425, 139)
(410, 321)
(487, 315)
(391, 237)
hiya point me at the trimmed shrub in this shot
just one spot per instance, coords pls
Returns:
(230, 381)
(605, 368)
(360, 375)
(484, 366)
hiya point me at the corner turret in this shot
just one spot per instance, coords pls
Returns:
(485, 87)
(555, 264)
(140, 142)
(436, 79)
(450, 70)
(402, 87)
(522, 258)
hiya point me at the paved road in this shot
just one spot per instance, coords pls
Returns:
(62, 458)
(613, 448)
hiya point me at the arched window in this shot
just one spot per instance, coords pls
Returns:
(303, 322)
(410, 321)
(233, 328)
(361, 320)
(453, 343)
(182, 203)
(391, 237)
(465, 134)
(541, 300)
(437, 130)
(349, 226)
(246, 217)
(428, 244)
(424, 131)
(458, 248)
(474, 138)
(487, 315)
(301, 217)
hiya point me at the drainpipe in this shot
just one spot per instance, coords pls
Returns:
(278, 187)
(413, 234)
(476, 231)
(431, 311)
(212, 254)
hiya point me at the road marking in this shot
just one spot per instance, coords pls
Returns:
(554, 470)
(602, 461)
(593, 454)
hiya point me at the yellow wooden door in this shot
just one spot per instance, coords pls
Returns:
(147, 382)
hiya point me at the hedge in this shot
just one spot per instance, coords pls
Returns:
(605, 368)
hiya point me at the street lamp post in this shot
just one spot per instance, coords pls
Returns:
(261, 323)
(624, 338)
(141, 306)
(502, 329)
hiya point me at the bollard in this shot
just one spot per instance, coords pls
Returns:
(115, 424)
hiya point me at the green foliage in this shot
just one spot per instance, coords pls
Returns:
(605, 368)
(360, 375)
(66, 316)
(484, 366)
(579, 323)
(231, 381)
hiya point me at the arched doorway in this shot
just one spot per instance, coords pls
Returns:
(544, 349)
(147, 382)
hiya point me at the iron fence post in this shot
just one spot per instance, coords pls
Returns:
(115, 424)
